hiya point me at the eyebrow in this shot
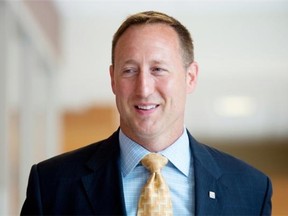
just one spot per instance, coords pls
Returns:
(131, 61)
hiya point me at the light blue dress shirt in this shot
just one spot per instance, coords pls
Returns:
(178, 174)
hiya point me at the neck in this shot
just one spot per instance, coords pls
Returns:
(155, 143)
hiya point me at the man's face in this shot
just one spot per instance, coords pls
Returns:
(150, 82)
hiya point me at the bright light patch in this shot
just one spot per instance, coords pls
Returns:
(235, 106)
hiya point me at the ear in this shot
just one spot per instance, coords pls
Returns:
(111, 69)
(192, 76)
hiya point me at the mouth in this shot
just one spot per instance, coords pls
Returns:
(146, 107)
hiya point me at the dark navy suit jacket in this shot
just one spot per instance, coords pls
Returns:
(87, 181)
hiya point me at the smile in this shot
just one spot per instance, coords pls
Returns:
(146, 107)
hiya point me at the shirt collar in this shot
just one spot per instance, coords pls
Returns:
(178, 153)
(131, 153)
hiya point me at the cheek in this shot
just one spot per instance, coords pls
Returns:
(178, 91)
(122, 89)
(176, 86)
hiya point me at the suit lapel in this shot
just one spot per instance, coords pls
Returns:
(208, 192)
(104, 185)
(208, 187)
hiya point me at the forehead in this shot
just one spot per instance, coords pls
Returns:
(147, 35)
(152, 30)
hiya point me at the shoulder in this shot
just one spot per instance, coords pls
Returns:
(77, 161)
(226, 166)
(244, 189)
(240, 183)
(230, 164)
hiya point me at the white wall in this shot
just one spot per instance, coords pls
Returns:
(241, 47)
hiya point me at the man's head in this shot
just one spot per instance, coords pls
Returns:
(152, 17)
(150, 77)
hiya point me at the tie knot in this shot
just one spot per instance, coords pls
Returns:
(154, 162)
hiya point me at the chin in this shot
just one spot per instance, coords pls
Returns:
(147, 132)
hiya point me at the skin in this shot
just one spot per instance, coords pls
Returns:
(150, 84)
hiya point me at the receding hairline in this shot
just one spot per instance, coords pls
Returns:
(154, 17)
(144, 25)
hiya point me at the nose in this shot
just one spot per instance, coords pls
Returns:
(144, 84)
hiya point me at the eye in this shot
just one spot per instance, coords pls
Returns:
(158, 70)
(129, 72)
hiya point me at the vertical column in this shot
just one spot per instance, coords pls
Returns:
(3, 110)
(27, 118)
(52, 114)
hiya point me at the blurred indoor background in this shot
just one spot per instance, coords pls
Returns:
(55, 91)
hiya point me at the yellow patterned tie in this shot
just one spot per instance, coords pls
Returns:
(155, 197)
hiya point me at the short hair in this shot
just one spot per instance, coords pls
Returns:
(154, 17)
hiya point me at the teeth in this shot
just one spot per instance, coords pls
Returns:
(146, 107)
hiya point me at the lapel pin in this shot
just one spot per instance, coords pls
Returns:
(212, 195)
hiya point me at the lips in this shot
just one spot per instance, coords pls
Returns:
(146, 107)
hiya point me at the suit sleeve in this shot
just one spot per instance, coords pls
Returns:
(33, 204)
(267, 205)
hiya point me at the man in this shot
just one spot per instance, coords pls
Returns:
(152, 71)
